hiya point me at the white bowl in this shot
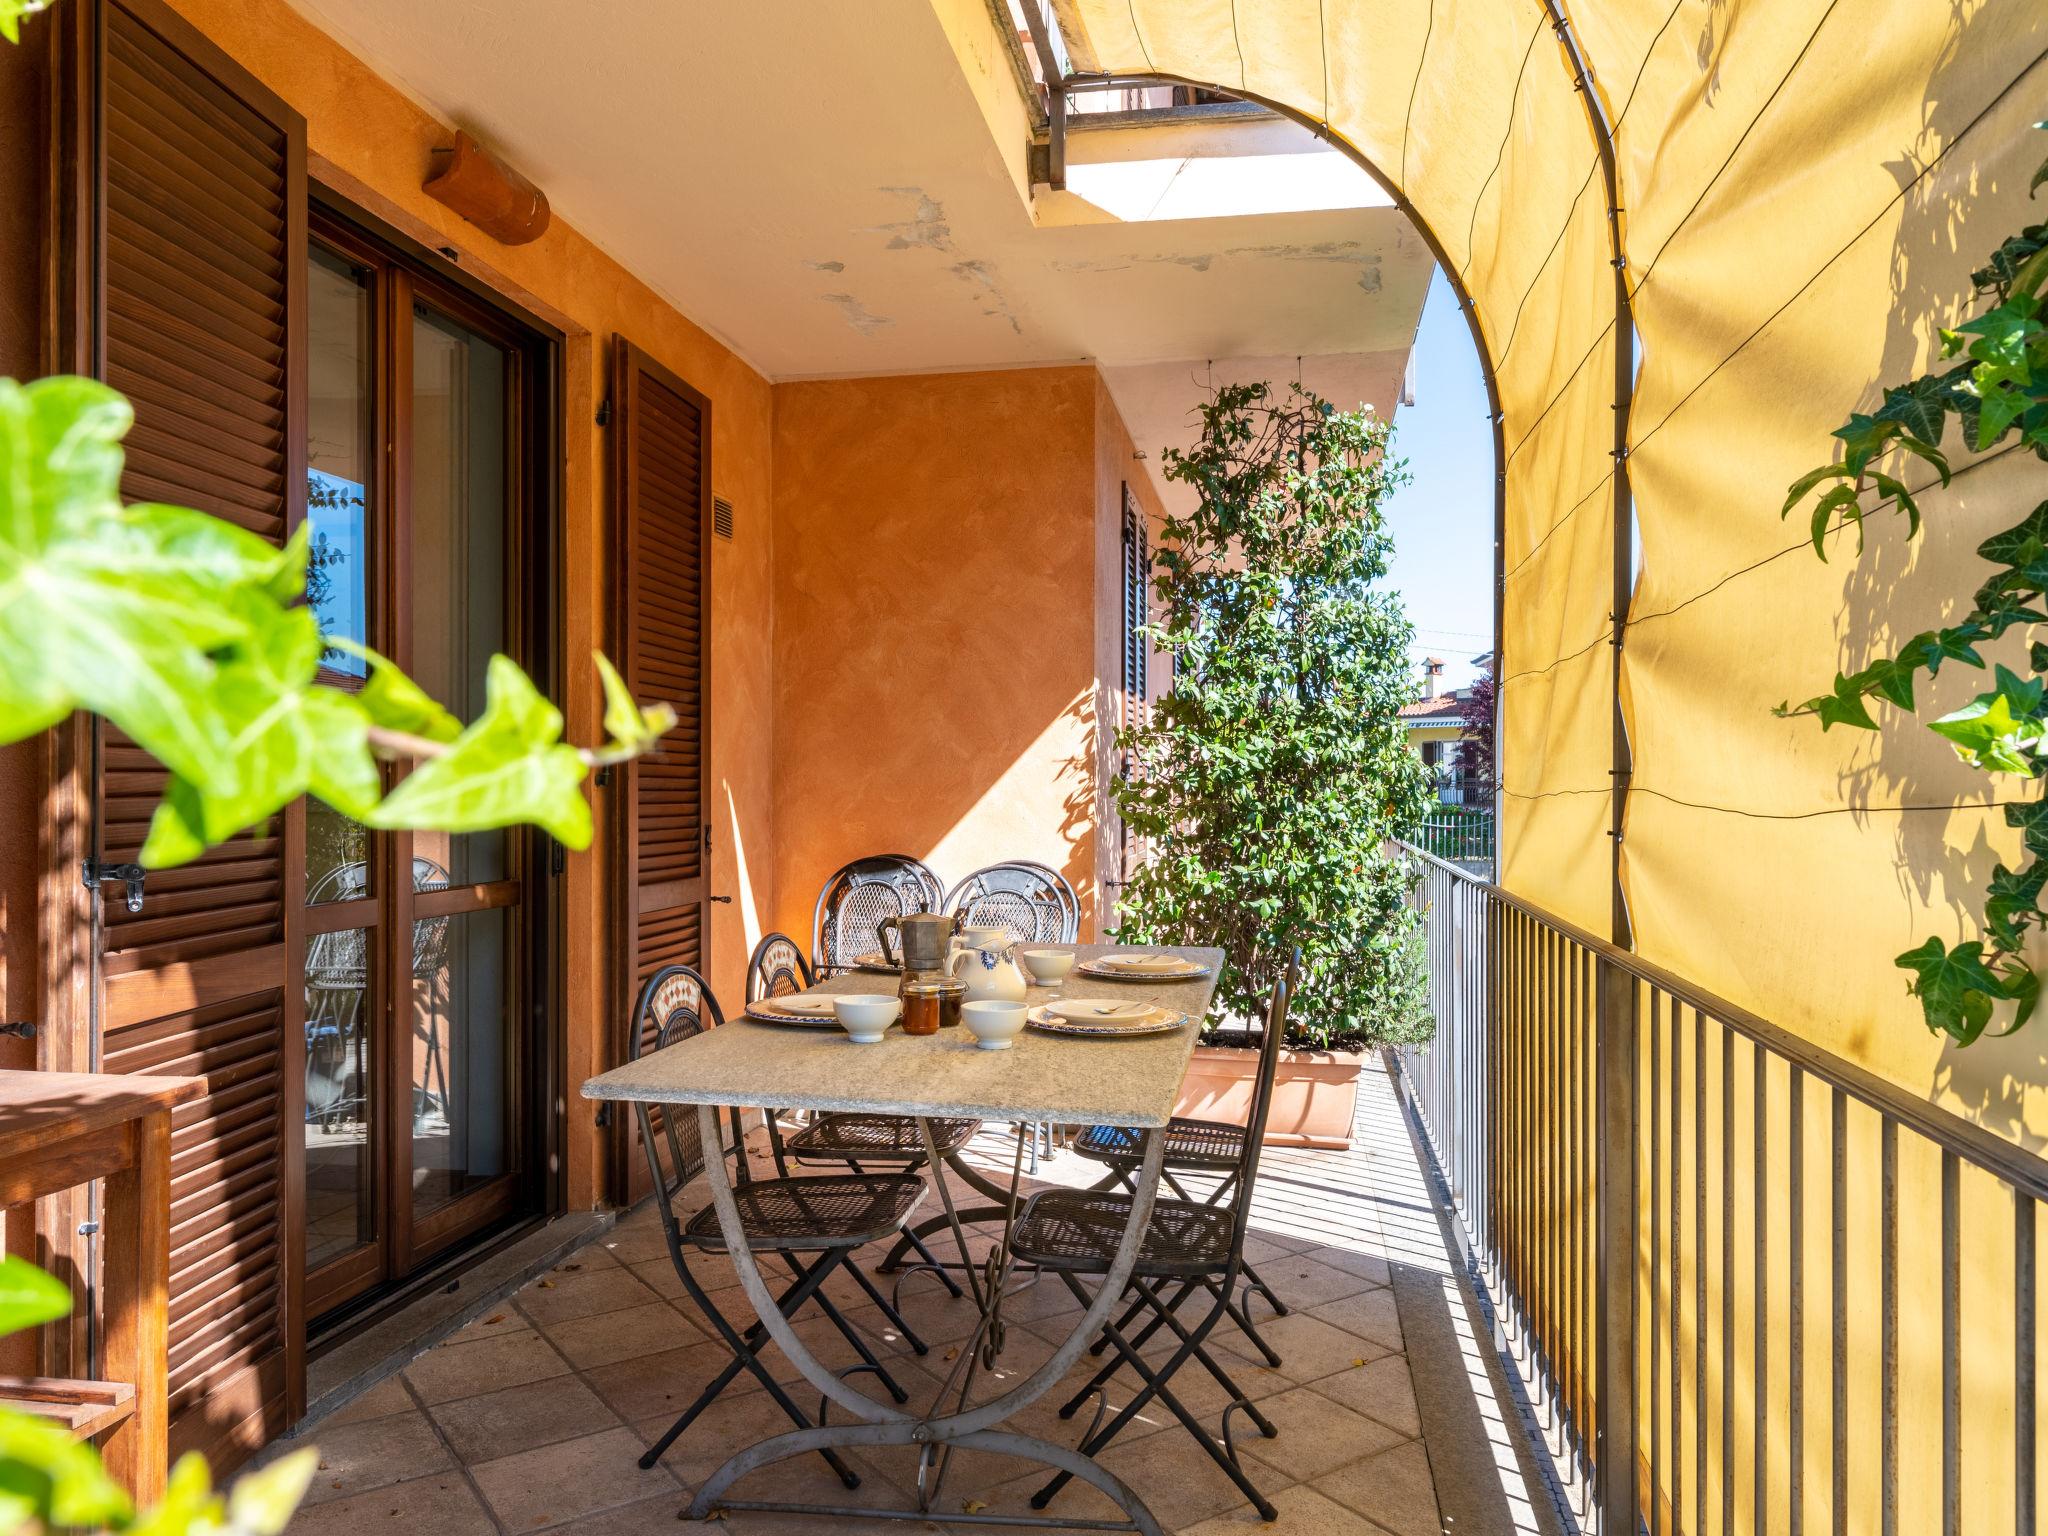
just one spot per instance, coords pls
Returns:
(993, 1023)
(865, 1017)
(1048, 967)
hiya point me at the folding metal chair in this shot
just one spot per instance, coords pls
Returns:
(858, 896)
(1201, 1246)
(813, 1223)
(778, 967)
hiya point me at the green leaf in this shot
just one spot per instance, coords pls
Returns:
(2030, 819)
(1842, 707)
(1844, 497)
(507, 768)
(2011, 897)
(1863, 439)
(1956, 988)
(11, 13)
(29, 1297)
(1997, 731)
(1917, 407)
(48, 1477)
(189, 1501)
(2022, 544)
(1931, 648)
(394, 701)
(1808, 481)
(286, 737)
(262, 1503)
(631, 728)
(111, 610)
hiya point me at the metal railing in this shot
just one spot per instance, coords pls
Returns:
(1751, 1286)
(1457, 833)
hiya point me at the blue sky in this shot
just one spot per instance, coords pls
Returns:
(1442, 521)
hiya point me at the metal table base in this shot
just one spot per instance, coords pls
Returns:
(937, 1429)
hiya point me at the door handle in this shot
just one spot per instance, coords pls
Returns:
(726, 899)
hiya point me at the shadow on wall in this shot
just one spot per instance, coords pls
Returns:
(1953, 214)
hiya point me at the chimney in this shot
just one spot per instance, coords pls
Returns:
(1432, 669)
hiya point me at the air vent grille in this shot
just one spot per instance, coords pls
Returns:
(721, 517)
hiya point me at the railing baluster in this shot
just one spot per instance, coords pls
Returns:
(1615, 1460)
(1951, 1367)
(1760, 1385)
(1727, 1280)
(1888, 1310)
(1838, 1306)
(1699, 1266)
(1795, 1289)
(1653, 1028)
(2023, 1328)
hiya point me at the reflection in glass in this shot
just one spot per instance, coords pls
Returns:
(339, 456)
(459, 517)
(461, 1055)
(338, 1076)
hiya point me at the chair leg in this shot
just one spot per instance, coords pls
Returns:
(860, 1345)
(1155, 1386)
(745, 1349)
(895, 1318)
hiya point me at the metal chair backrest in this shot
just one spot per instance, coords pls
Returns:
(675, 1004)
(860, 895)
(1033, 902)
(1262, 1100)
(777, 968)
(340, 961)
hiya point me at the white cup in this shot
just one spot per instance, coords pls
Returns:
(865, 1017)
(1048, 967)
(993, 1022)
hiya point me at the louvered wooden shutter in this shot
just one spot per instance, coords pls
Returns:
(199, 321)
(661, 485)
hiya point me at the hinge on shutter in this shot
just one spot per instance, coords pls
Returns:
(95, 874)
(604, 411)
(707, 837)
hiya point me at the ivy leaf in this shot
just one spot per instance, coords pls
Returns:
(1918, 407)
(1863, 439)
(11, 13)
(507, 768)
(53, 1480)
(29, 1297)
(1931, 648)
(2030, 819)
(1808, 481)
(2013, 896)
(1842, 707)
(1843, 496)
(1996, 731)
(1955, 987)
(631, 728)
(262, 1502)
(285, 737)
(2023, 986)
(394, 701)
(107, 609)
(2022, 544)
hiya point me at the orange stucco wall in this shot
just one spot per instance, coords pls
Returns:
(371, 143)
(935, 616)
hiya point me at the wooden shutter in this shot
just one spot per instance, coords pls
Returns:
(198, 317)
(1137, 572)
(661, 486)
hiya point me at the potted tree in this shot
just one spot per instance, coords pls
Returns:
(1269, 780)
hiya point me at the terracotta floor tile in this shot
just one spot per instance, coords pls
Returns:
(1309, 1347)
(567, 1480)
(1380, 1389)
(374, 1453)
(388, 1396)
(604, 1337)
(497, 1424)
(453, 1370)
(558, 1297)
(659, 1275)
(1303, 1512)
(503, 1318)
(635, 1244)
(1367, 1262)
(1393, 1489)
(1178, 1481)
(643, 1386)
(1316, 1436)
(733, 1423)
(1303, 1283)
(1371, 1314)
(442, 1503)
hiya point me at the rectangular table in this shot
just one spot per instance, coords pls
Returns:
(1132, 1083)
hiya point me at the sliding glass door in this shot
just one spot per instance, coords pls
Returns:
(421, 1121)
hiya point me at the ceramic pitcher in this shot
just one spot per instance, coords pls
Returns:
(986, 959)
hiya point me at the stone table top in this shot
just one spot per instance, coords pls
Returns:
(1128, 1082)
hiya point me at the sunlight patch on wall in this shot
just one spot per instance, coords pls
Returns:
(1224, 186)
(750, 913)
(1041, 807)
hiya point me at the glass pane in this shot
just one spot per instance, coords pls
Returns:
(339, 1070)
(459, 517)
(339, 456)
(462, 1068)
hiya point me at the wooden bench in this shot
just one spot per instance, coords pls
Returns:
(60, 1129)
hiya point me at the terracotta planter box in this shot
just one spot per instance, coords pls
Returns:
(1314, 1097)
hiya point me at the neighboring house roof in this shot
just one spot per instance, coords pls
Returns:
(1445, 709)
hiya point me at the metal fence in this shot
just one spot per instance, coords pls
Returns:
(1457, 833)
(1752, 1287)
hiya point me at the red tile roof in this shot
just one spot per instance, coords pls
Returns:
(1444, 709)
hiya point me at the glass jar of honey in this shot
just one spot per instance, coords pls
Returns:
(931, 1002)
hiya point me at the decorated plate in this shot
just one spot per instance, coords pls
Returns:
(1132, 965)
(1157, 1021)
(1088, 1010)
(875, 961)
(803, 1011)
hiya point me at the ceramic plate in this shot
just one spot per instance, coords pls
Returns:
(1177, 970)
(793, 1012)
(1158, 1021)
(874, 961)
(1088, 1010)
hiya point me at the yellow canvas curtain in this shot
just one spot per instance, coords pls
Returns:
(1806, 185)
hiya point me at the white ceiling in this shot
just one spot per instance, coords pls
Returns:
(816, 184)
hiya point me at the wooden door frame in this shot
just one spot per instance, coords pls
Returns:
(628, 362)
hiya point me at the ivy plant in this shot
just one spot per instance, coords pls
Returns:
(191, 635)
(1271, 778)
(1995, 388)
(49, 1480)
